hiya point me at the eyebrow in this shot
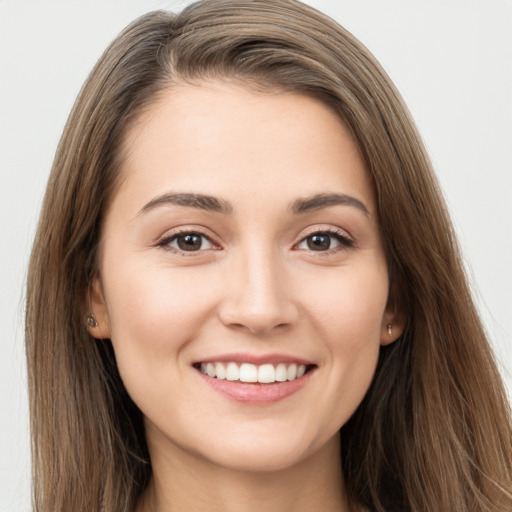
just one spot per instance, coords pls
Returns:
(319, 201)
(214, 204)
(200, 201)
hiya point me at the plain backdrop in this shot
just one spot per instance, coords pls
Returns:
(451, 59)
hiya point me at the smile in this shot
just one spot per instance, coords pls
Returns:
(255, 379)
(251, 373)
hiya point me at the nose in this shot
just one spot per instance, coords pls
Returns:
(257, 296)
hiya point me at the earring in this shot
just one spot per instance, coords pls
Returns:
(390, 329)
(91, 321)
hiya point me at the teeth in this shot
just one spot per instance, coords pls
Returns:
(220, 371)
(291, 372)
(281, 373)
(266, 373)
(210, 370)
(232, 371)
(247, 372)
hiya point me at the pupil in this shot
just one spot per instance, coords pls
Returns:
(189, 242)
(319, 242)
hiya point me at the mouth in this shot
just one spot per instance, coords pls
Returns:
(249, 373)
(258, 380)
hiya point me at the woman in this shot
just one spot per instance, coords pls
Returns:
(245, 289)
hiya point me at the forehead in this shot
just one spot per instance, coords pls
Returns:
(223, 139)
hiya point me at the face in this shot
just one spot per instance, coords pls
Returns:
(242, 279)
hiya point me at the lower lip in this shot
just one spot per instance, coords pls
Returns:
(256, 393)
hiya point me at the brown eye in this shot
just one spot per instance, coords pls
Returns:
(319, 242)
(322, 241)
(188, 242)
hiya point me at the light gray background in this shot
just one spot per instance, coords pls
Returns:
(451, 59)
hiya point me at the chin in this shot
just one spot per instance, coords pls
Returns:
(256, 459)
(262, 451)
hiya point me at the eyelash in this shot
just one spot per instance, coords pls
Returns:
(165, 242)
(340, 236)
(344, 241)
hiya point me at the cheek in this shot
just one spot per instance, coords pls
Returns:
(154, 313)
(349, 305)
(350, 323)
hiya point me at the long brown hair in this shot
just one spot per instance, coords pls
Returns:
(433, 432)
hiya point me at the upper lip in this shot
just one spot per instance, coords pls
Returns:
(256, 359)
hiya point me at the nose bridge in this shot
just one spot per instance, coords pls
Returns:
(257, 297)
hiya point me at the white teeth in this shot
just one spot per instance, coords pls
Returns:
(220, 371)
(210, 370)
(266, 373)
(281, 374)
(291, 372)
(247, 372)
(232, 372)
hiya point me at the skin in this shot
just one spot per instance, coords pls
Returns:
(254, 287)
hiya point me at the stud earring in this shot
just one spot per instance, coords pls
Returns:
(390, 329)
(91, 321)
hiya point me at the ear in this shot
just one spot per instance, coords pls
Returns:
(100, 328)
(393, 320)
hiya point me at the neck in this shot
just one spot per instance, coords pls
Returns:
(182, 482)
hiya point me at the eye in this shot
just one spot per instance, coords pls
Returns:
(187, 242)
(322, 241)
